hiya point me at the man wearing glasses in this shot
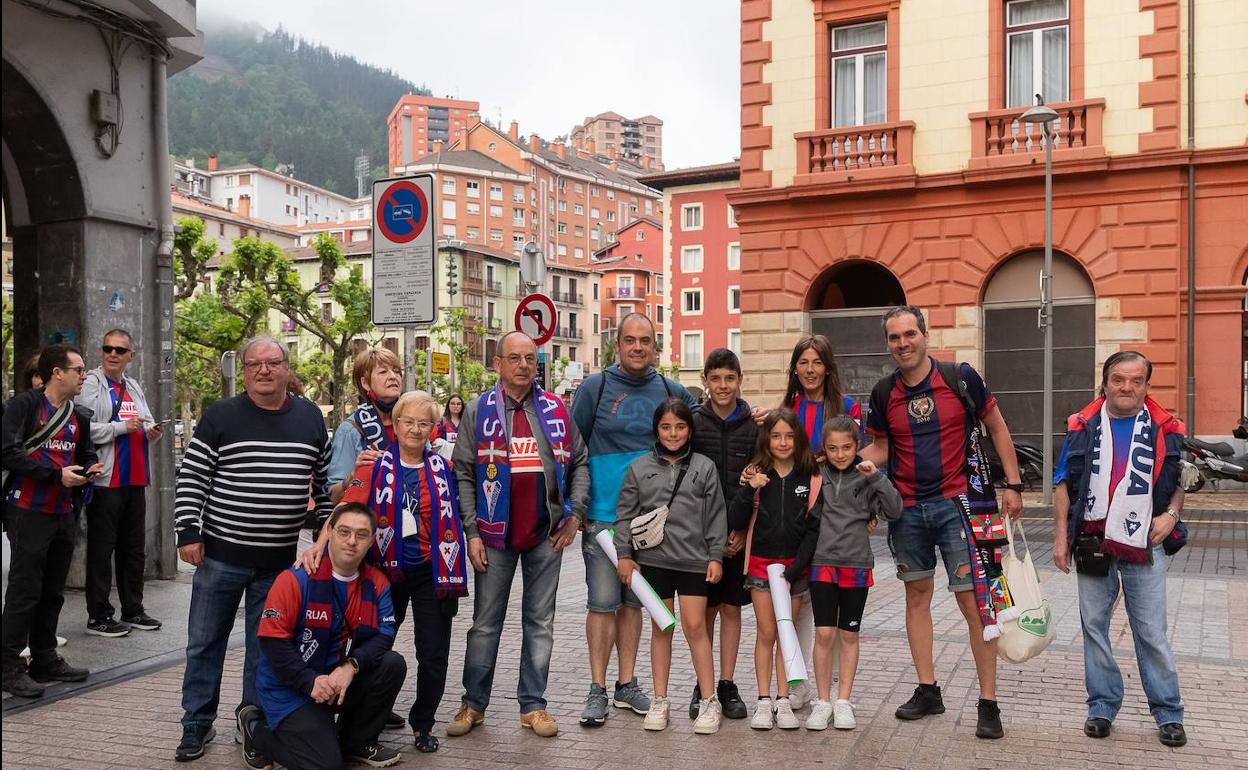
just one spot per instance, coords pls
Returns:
(523, 490)
(48, 452)
(242, 496)
(122, 426)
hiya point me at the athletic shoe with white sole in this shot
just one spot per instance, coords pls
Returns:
(820, 714)
(709, 713)
(657, 716)
(843, 715)
(785, 718)
(764, 715)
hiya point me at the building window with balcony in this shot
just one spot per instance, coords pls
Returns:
(734, 299)
(448, 185)
(472, 188)
(691, 259)
(691, 216)
(859, 74)
(517, 242)
(691, 350)
(1037, 48)
(496, 234)
(472, 233)
(691, 301)
(517, 217)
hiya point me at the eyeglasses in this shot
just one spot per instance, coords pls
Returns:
(407, 423)
(252, 366)
(114, 349)
(346, 533)
(81, 370)
(515, 358)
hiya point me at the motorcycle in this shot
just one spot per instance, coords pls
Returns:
(1213, 461)
(1030, 466)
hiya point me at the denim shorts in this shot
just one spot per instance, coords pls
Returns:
(922, 528)
(604, 591)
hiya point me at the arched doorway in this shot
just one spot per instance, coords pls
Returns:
(846, 304)
(1014, 344)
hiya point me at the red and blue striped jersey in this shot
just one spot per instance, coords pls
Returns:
(56, 452)
(130, 467)
(843, 577)
(927, 428)
(812, 415)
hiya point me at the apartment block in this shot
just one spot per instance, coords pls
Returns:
(637, 141)
(416, 122)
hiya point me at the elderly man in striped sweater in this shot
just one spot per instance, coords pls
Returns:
(242, 495)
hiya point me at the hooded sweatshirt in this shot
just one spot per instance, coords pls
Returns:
(614, 413)
(695, 532)
(782, 514)
(838, 537)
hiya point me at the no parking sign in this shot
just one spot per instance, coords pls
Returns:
(404, 289)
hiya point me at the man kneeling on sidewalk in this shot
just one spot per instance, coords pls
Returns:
(325, 645)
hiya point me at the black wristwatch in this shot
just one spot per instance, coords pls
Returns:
(1015, 487)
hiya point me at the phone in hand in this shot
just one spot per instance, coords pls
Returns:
(89, 475)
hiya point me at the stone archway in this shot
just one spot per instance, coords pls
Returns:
(1014, 344)
(845, 304)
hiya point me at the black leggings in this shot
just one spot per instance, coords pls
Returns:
(836, 606)
(431, 627)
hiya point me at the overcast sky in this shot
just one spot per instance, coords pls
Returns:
(546, 63)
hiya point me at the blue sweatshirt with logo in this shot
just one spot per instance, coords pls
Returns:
(614, 412)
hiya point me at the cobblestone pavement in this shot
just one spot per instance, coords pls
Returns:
(134, 723)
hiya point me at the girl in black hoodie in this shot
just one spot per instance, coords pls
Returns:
(773, 507)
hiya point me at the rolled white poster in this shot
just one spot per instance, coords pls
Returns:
(659, 612)
(782, 604)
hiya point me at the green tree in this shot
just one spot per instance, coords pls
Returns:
(6, 343)
(470, 377)
(606, 356)
(265, 268)
(191, 252)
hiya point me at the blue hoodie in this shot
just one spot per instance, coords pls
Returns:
(615, 414)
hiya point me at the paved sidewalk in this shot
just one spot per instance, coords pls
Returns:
(134, 723)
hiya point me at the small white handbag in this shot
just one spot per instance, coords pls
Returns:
(1027, 635)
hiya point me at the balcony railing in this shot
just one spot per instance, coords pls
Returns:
(494, 324)
(568, 298)
(622, 292)
(857, 152)
(568, 332)
(494, 287)
(998, 138)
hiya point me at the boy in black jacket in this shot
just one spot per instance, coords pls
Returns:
(724, 431)
(48, 451)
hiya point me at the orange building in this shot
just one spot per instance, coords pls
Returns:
(416, 122)
(609, 134)
(883, 161)
(633, 278)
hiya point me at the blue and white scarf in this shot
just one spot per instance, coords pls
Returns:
(1128, 514)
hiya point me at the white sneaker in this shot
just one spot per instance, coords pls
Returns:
(801, 695)
(785, 719)
(843, 715)
(656, 717)
(820, 713)
(764, 718)
(707, 722)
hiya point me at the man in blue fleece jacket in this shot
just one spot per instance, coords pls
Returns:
(613, 411)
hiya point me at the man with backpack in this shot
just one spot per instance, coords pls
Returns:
(924, 417)
(47, 454)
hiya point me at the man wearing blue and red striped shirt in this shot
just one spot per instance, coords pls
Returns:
(920, 426)
(122, 426)
(40, 506)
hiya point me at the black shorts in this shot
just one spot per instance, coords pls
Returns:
(669, 582)
(730, 589)
(837, 607)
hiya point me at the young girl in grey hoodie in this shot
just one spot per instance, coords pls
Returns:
(838, 550)
(689, 557)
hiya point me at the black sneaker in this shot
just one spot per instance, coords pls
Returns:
(730, 700)
(1173, 734)
(247, 718)
(194, 738)
(926, 700)
(693, 703)
(1097, 727)
(143, 622)
(18, 682)
(57, 671)
(107, 627)
(989, 724)
(395, 722)
(375, 754)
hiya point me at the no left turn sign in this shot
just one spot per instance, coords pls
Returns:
(536, 316)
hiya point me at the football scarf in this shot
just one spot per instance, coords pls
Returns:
(367, 421)
(493, 458)
(319, 646)
(446, 535)
(1127, 514)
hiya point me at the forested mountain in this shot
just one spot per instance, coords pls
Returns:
(269, 98)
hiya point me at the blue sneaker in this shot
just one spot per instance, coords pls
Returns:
(629, 695)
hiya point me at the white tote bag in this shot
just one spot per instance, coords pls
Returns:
(1025, 636)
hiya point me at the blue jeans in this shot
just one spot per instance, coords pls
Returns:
(603, 590)
(922, 528)
(540, 566)
(218, 589)
(1144, 592)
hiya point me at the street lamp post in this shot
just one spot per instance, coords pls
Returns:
(1044, 117)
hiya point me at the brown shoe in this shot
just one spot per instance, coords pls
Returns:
(541, 723)
(464, 720)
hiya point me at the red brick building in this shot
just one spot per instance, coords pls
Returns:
(922, 186)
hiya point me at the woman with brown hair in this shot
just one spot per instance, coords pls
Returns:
(368, 431)
(814, 390)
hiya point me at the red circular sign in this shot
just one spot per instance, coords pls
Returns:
(402, 212)
(536, 316)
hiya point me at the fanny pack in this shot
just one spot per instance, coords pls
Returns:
(1088, 557)
(647, 529)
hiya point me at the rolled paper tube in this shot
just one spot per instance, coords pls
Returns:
(790, 650)
(659, 612)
